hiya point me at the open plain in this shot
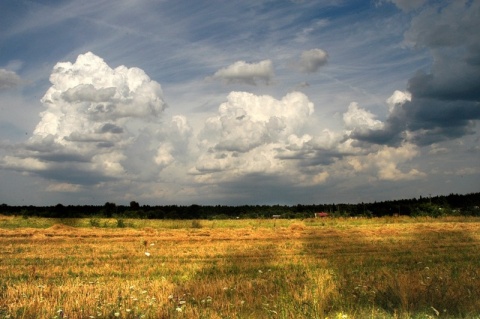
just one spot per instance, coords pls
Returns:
(314, 268)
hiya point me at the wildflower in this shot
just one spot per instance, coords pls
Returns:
(182, 302)
(147, 254)
(178, 309)
(117, 314)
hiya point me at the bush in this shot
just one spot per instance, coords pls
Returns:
(196, 224)
(120, 223)
(94, 222)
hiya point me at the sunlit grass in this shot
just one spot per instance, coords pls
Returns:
(331, 268)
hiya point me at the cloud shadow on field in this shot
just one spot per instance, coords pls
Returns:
(401, 269)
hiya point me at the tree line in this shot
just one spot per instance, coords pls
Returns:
(453, 204)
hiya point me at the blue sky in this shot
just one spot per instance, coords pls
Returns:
(238, 102)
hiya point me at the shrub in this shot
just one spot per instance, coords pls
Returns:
(120, 223)
(196, 224)
(94, 222)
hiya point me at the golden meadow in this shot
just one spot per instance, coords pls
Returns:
(314, 268)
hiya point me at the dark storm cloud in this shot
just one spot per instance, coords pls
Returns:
(425, 121)
(445, 102)
(462, 83)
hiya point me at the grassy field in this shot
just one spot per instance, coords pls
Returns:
(331, 268)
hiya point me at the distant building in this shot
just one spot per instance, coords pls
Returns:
(275, 216)
(321, 215)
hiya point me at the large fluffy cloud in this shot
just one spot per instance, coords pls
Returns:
(104, 128)
(247, 73)
(248, 133)
(100, 124)
(257, 136)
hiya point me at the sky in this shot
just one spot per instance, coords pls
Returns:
(238, 102)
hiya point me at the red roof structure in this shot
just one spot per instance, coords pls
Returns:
(321, 214)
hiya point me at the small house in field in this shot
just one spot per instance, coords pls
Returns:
(276, 216)
(321, 215)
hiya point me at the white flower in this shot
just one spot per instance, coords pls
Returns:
(147, 254)
(179, 309)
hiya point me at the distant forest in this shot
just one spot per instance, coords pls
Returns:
(453, 204)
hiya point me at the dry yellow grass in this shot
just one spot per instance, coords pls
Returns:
(294, 269)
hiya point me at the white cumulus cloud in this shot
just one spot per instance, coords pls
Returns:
(357, 118)
(248, 132)
(100, 124)
(312, 60)
(247, 73)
